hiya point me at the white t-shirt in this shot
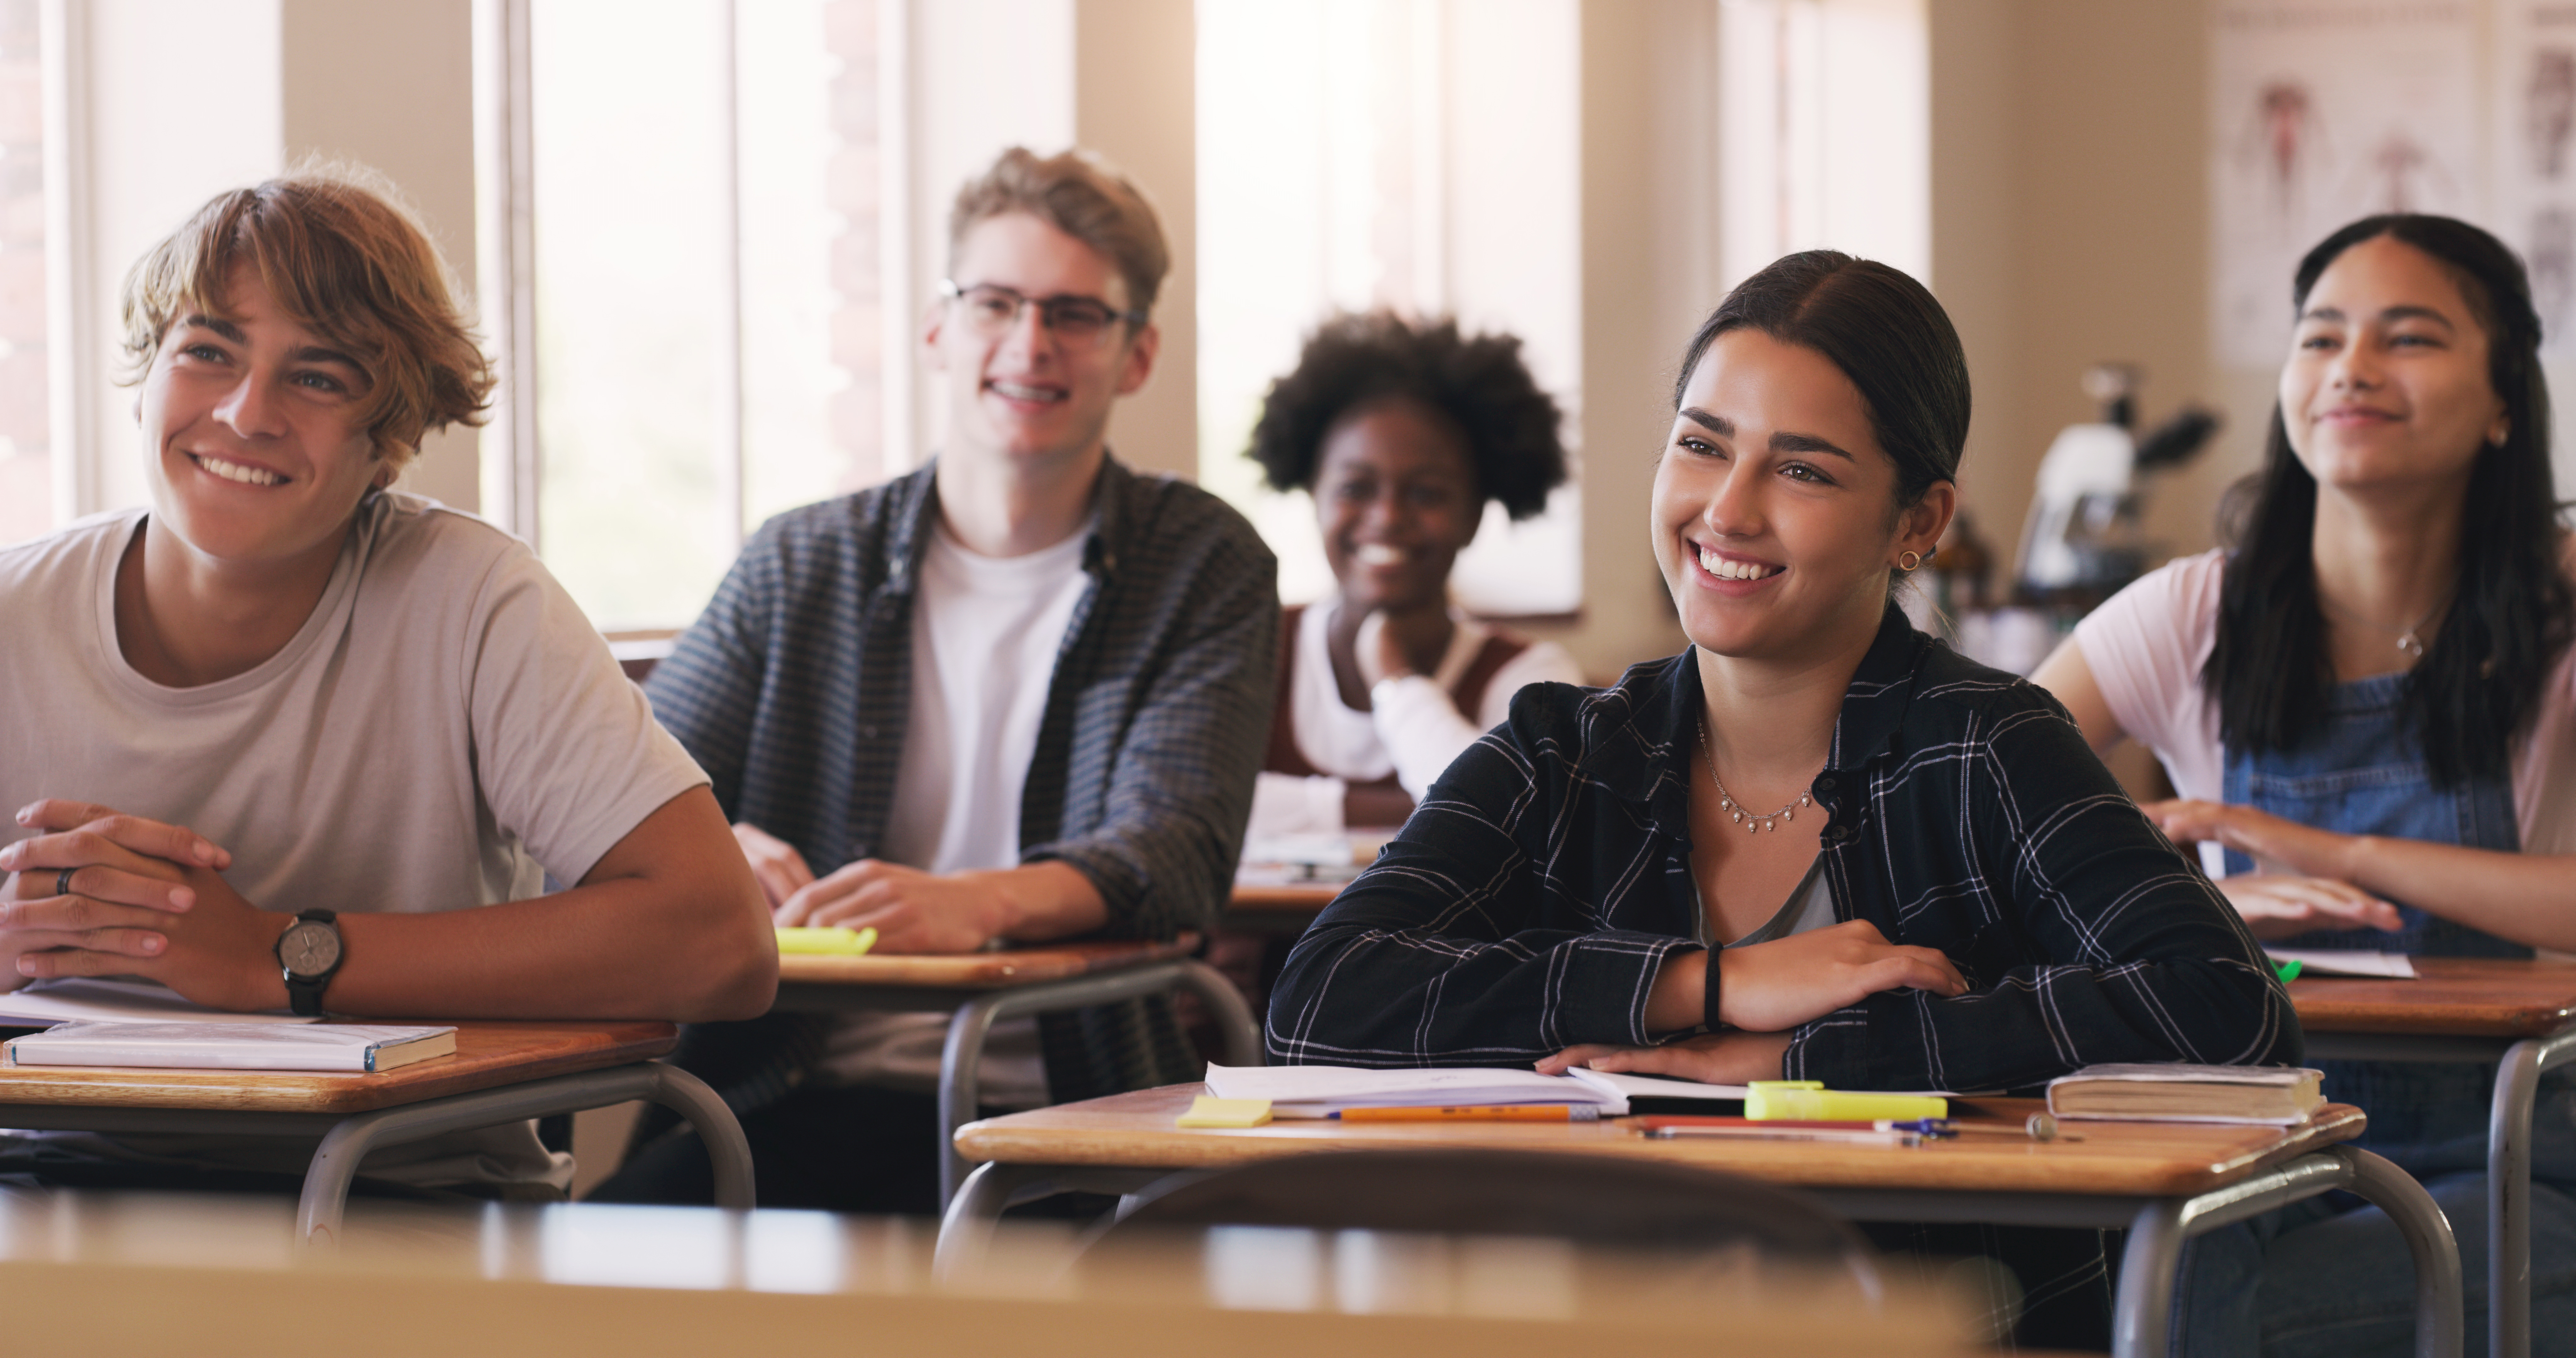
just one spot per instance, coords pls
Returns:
(1414, 729)
(2148, 644)
(985, 633)
(443, 731)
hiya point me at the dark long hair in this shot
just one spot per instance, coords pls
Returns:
(2511, 613)
(1885, 332)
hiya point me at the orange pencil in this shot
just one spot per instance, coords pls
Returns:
(1476, 1112)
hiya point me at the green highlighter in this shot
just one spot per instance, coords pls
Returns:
(2289, 970)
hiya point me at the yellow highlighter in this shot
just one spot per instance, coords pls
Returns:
(1810, 1101)
(831, 942)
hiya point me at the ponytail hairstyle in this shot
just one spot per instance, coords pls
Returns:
(1885, 332)
(2512, 612)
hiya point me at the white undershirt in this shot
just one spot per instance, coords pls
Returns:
(985, 633)
(1414, 730)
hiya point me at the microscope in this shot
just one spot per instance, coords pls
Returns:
(2080, 543)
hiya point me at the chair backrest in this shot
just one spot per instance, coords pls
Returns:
(1602, 1200)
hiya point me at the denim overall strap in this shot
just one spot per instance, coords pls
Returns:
(2360, 772)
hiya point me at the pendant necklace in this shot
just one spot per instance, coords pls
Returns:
(2407, 641)
(1752, 822)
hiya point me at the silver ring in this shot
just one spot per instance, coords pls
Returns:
(63, 881)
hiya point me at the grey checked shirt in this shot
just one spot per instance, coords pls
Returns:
(793, 688)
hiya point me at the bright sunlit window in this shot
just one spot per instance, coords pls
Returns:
(26, 471)
(1826, 130)
(705, 303)
(1419, 155)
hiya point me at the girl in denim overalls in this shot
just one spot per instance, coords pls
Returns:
(2368, 707)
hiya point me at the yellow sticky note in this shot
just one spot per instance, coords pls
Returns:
(1209, 1111)
(835, 941)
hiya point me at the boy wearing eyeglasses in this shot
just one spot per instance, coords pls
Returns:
(1017, 695)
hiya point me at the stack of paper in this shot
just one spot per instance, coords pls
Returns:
(1321, 1091)
(2390, 964)
(87, 1000)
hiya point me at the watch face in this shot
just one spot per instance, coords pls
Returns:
(309, 949)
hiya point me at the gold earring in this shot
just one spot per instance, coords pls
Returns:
(1909, 561)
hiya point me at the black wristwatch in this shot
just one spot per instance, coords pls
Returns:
(309, 952)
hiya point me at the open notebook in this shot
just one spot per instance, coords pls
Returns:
(89, 1000)
(1321, 1091)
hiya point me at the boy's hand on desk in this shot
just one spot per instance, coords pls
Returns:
(124, 887)
(1714, 1058)
(911, 910)
(775, 864)
(145, 900)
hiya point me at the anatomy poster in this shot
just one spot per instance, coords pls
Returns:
(2534, 153)
(2324, 111)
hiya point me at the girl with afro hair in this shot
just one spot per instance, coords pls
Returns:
(1402, 432)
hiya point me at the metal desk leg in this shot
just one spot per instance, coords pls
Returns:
(966, 1229)
(2438, 1304)
(2140, 1327)
(961, 1059)
(335, 1162)
(2142, 1310)
(1225, 1004)
(2517, 1087)
(728, 1150)
(961, 1064)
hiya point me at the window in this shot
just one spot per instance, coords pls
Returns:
(1419, 155)
(703, 195)
(1825, 118)
(26, 468)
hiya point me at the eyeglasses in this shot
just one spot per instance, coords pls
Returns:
(991, 310)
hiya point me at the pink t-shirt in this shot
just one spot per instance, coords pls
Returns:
(2146, 648)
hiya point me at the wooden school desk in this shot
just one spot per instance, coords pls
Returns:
(2519, 1015)
(1280, 907)
(145, 1276)
(983, 988)
(1283, 898)
(2164, 1182)
(501, 1073)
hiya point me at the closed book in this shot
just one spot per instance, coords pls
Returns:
(2281, 1095)
(345, 1048)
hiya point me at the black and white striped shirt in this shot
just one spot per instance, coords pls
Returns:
(1529, 903)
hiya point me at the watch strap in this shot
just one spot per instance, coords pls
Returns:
(304, 994)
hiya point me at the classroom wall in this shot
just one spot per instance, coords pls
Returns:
(2070, 190)
(411, 119)
(2069, 211)
(1134, 101)
(2070, 227)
